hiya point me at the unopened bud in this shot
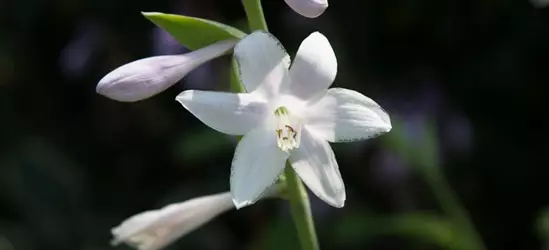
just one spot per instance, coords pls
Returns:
(147, 77)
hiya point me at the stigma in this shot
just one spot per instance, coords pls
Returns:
(286, 135)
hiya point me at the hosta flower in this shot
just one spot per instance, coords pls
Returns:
(147, 77)
(152, 230)
(308, 8)
(287, 114)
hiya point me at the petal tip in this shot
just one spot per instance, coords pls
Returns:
(107, 88)
(318, 35)
(101, 88)
(184, 96)
(240, 204)
(339, 199)
(251, 38)
(147, 13)
(308, 8)
(105, 84)
(339, 204)
(114, 242)
(118, 235)
(387, 126)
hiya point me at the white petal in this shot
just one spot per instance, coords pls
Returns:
(308, 8)
(257, 163)
(315, 163)
(156, 229)
(229, 113)
(147, 77)
(263, 63)
(314, 68)
(346, 115)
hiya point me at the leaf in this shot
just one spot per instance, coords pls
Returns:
(428, 155)
(429, 228)
(424, 227)
(543, 224)
(192, 32)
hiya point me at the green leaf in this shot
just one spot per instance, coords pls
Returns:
(429, 228)
(423, 227)
(192, 32)
(428, 155)
(543, 224)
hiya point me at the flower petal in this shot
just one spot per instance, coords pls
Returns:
(257, 163)
(346, 115)
(314, 68)
(229, 113)
(315, 163)
(308, 8)
(153, 230)
(263, 63)
(147, 77)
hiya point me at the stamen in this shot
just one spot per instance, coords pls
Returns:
(285, 133)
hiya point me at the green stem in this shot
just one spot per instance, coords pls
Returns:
(301, 210)
(254, 12)
(450, 204)
(236, 86)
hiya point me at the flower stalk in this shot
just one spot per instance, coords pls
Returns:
(254, 12)
(294, 189)
(301, 210)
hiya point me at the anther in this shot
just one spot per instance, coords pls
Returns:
(285, 133)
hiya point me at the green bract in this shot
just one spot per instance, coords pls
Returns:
(194, 33)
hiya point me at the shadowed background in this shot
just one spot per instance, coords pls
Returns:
(462, 81)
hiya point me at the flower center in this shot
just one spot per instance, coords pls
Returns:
(286, 130)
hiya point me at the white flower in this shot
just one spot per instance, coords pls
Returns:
(287, 114)
(147, 77)
(152, 230)
(308, 8)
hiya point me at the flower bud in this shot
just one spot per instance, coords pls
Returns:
(147, 77)
(308, 8)
(155, 229)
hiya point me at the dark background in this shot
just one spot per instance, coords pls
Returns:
(462, 80)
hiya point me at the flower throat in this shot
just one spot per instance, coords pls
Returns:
(286, 135)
